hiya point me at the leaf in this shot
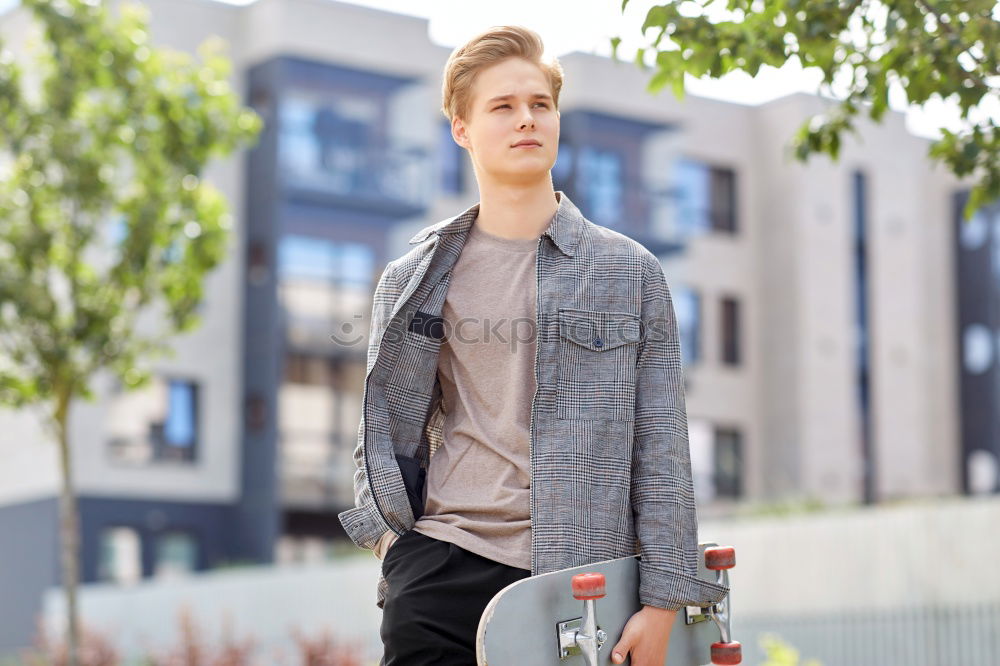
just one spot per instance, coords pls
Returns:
(659, 80)
(845, 35)
(117, 131)
(677, 84)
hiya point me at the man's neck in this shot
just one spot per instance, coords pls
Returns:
(517, 212)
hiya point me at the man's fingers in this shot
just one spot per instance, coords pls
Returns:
(621, 649)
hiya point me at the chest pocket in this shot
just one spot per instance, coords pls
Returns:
(598, 352)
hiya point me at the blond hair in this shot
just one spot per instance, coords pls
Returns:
(486, 49)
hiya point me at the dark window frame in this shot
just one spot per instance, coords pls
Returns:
(692, 354)
(728, 487)
(188, 530)
(731, 328)
(161, 447)
(156, 430)
(139, 532)
(720, 212)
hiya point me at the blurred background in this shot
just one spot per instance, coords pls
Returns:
(840, 330)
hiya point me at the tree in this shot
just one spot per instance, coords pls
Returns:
(946, 48)
(103, 212)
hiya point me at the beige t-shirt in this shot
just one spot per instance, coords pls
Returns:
(478, 482)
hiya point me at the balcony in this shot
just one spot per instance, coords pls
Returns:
(312, 477)
(324, 292)
(396, 181)
(316, 436)
(337, 152)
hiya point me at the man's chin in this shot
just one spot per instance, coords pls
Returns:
(522, 168)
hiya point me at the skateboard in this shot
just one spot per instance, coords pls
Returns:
(576, 616)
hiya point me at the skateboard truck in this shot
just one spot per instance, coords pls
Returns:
(581, 635)
(726, 651)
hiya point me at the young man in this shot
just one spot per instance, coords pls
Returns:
(524, 408)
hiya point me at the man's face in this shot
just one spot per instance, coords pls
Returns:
(511, 102)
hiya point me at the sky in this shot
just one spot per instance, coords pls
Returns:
(588, 25)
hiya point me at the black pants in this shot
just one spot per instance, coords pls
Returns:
(437, 593)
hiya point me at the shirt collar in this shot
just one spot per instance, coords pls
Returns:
(564, 229)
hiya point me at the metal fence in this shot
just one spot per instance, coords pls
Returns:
(965, 635)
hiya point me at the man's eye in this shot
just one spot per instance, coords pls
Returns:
(507, 106)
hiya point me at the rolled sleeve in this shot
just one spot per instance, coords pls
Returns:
(662, 492)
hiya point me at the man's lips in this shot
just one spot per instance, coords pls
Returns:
(530, 143)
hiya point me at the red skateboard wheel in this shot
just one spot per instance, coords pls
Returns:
(588, 586)
(720, 557)
(726, 654)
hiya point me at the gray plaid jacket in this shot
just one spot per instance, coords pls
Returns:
(610, 465)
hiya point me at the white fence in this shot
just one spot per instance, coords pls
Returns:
(966, 635)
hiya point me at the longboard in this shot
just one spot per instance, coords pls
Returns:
(575, 616)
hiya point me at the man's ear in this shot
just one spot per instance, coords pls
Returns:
(459, 132)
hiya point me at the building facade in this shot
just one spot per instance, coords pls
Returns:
(825, 308)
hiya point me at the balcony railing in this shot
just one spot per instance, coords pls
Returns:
(396, 176)
(316, 472)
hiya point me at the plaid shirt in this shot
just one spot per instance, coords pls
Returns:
(610, 464)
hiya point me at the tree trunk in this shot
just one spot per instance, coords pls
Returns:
(69, 532)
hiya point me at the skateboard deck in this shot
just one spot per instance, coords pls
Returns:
(537, 620)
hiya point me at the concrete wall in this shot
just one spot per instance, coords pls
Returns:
(265, 602)
(29, 562)
(914, 556)
(906, 556)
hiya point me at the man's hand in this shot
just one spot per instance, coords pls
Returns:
(646, 637)
(384, 543)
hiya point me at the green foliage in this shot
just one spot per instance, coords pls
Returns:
(949, 49)
(788, 507)
(103, 212)
(780, 653)
(239, 563)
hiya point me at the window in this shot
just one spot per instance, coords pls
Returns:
(599, 179)
(728, 463)
(120, 557)
(706, 198)
(862, 329)
(687, 307)
(179, 426)
(701, 443)
(563, 167)
(303, 369)
(317, 425)
(354, 141)
(176, 554)
(326, 141)
(452, 157)
(301, 257)
(730, 331)
(978, 349)
(158, 422)
(325, 288)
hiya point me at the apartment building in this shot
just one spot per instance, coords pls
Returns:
(839, 325)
